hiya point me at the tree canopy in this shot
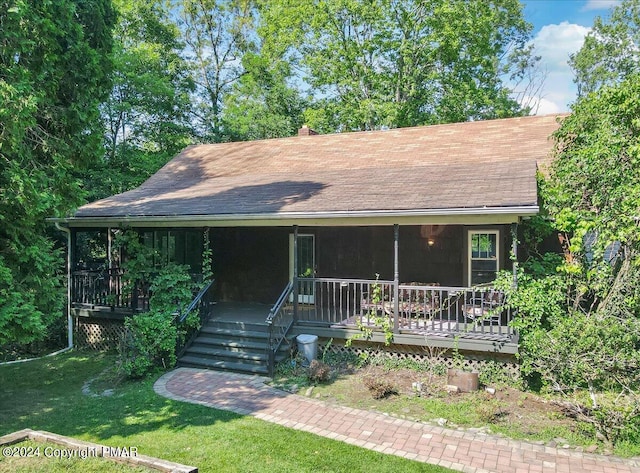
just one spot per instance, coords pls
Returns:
(402, 62)
(611, 50)
(580, 319)
(54, 74)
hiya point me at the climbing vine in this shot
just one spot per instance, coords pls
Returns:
(380, 320)
(151, 336)
(207, 256)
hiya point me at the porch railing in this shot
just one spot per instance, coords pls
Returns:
(474, 312)
(107, 288)
(110, 288)
(201, 304)
(279, 321)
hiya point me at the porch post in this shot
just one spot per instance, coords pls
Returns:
(295, 273)
(109, 249)
(514, 252)
(396, 279)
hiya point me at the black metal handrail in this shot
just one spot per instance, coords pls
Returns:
(279, 322)
(202, 303)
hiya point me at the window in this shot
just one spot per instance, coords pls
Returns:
(484, 256)
(176, 246)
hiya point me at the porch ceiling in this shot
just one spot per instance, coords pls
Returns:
(447, 173)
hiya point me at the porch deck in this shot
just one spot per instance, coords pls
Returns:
(418, 314)
(497, 339)
(247, 312)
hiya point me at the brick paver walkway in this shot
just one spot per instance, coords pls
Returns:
(456, 449)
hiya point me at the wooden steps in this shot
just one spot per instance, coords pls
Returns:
(237, 346)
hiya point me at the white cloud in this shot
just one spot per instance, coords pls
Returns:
(541, 106)
(554, 44)
(600, 4)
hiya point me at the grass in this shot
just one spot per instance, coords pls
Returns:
(47, 395)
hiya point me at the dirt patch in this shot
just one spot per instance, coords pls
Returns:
(423, 396)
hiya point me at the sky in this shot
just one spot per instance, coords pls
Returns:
(559, 28)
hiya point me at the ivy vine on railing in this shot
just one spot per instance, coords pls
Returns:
(381, 320)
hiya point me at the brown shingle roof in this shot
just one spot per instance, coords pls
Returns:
(465, 165)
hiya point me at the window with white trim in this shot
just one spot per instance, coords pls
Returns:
(484, 256)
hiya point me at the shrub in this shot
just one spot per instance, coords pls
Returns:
(149, 342)
(378, 387)
(318, 372)
(494, 373)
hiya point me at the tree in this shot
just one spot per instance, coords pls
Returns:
(611, 49)
(585, 342)
(217, 35)
(54, 68)
(402, 62)
(261, 104)
(146, 114)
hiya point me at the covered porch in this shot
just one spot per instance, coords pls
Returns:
(329, 279)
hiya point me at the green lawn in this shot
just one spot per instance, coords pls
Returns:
(47, 395)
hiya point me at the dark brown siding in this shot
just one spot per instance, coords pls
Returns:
(250, 264)
(363, 252)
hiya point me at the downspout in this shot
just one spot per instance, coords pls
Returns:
(69, 319)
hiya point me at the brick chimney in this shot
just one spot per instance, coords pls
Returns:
(306, 131)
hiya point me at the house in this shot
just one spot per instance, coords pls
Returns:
(343, 230)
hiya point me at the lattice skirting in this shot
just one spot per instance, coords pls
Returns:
(99, 334)
(472, 360)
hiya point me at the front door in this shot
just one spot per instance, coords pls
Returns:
(306, 265)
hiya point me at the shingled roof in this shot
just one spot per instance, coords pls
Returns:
(485, 166)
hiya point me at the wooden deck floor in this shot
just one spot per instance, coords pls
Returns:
(412, 332)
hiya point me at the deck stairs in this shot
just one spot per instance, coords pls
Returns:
(232, 345)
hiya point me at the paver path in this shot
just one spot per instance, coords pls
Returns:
(456, 449)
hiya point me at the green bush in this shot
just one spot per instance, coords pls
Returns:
(151, 337)
(149, 342)
(493, 373)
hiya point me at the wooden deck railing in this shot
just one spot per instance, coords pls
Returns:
(279, 321)
(478, 312)
(107, 288)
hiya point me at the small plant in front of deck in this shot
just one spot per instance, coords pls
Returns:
(456, 356)
(325, 349)
(379, 387)
(291, 374)
(151, 336)
(379, 318)
(319, 372)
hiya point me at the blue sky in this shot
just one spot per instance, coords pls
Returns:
(559, 30)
